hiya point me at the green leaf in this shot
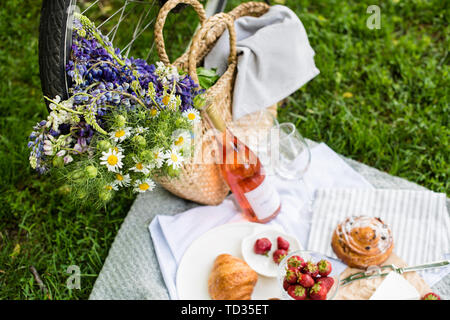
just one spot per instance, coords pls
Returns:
(207, 77)
(206, 72)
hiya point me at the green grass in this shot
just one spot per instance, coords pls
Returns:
(397, 121)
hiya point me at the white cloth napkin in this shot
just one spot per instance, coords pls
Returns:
(274, 59)
(172, 235)
(419, 222)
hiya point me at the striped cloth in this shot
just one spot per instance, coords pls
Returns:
(418, 220)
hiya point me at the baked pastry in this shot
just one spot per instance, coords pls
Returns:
(362, 241)
(231, 279)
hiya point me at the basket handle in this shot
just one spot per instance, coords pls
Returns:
(161, 20)
(210, 23)
(255, 9)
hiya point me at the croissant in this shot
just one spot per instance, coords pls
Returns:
(362, 241)
(231, 279)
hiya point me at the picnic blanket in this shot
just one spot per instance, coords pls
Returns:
(131, 269)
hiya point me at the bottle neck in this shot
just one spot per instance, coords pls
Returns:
(215, 119)
(232, 146)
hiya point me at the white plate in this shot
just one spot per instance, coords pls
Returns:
(196, 264)
(265, 265)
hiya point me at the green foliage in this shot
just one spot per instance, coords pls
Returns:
(397, 121)
(207, 77)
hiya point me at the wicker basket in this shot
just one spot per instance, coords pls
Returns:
(203, 183)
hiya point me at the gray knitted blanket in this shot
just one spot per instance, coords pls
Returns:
(131, 269)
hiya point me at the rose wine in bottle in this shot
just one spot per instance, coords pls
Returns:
(244, 174)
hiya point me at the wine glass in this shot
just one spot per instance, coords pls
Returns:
(294, 153)
(290, 155)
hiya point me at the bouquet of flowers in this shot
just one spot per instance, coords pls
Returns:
(124, 122)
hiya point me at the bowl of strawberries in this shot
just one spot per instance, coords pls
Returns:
(307, 275)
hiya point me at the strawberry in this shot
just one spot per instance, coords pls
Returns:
(326, 281)
(297, 292)
(295, 262)
(305, 280)
(431, 296)
(279, 255)
(262, 246)
(311, 269)
(291, 275)
(282, 243)
(286, 284)
(324, 267)
(318, 292)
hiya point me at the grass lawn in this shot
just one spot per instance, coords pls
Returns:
(382, 98)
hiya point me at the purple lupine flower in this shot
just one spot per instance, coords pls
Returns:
(81, 145)
(54, 133)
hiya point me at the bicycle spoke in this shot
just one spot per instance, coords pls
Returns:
(111, 16)
(93, 4)
(141, 2)
(120, 20)
(136, 30)
(131, 42)
(150, 51)
(138, 24)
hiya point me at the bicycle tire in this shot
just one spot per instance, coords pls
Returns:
(52, 43)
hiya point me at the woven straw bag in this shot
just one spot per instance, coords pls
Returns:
(203, 183)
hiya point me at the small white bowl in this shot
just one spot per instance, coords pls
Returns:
(264, 265)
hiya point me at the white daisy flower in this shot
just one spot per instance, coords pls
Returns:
(140, 130)
(122, 180)
(120, 134)
(181, 140)
(193, 115)
(143, 185)
(171, 101)
(154, 113)
(159, 157)
(140, 167)
(174, 158)
(111, 186)
(167, 99)
(117, 148)
(112, 159)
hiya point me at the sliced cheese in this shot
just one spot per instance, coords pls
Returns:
(395, 287)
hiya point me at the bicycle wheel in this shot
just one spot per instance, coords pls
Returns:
(128, 23)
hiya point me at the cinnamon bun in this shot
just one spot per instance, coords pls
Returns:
(362, 241)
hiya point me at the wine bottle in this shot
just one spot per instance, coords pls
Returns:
(244, 174)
